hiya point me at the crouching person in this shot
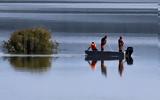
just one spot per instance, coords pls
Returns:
(93, 46)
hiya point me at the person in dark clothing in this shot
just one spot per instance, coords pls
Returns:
(120, 44)
(103, 42)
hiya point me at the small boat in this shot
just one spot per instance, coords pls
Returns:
(104, 55)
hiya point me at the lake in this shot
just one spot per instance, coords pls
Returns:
(67, 75)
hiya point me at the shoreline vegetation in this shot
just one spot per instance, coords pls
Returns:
(30, 41)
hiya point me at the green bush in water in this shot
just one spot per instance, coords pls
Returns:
(31, 41)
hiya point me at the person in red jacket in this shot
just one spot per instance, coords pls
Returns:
(93, 46)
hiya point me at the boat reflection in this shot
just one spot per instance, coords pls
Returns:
(31, 64)
(128, 60)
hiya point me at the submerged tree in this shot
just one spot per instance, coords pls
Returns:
(31, 41)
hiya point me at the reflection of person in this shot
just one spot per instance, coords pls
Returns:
(93, 46)
(103, 68)
(120, 67)
(120, 44)
(103, 42)
(93, 64)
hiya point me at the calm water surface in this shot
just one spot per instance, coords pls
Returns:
(67, 75)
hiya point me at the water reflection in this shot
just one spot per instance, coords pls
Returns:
(93, 64)
(103, 68)
(31, 64)
(128, 60)
(120, 67)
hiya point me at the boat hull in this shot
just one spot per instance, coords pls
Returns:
(103, 55)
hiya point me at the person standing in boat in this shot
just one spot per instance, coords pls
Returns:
(103, 42)
(120, 44)
(93, 46)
